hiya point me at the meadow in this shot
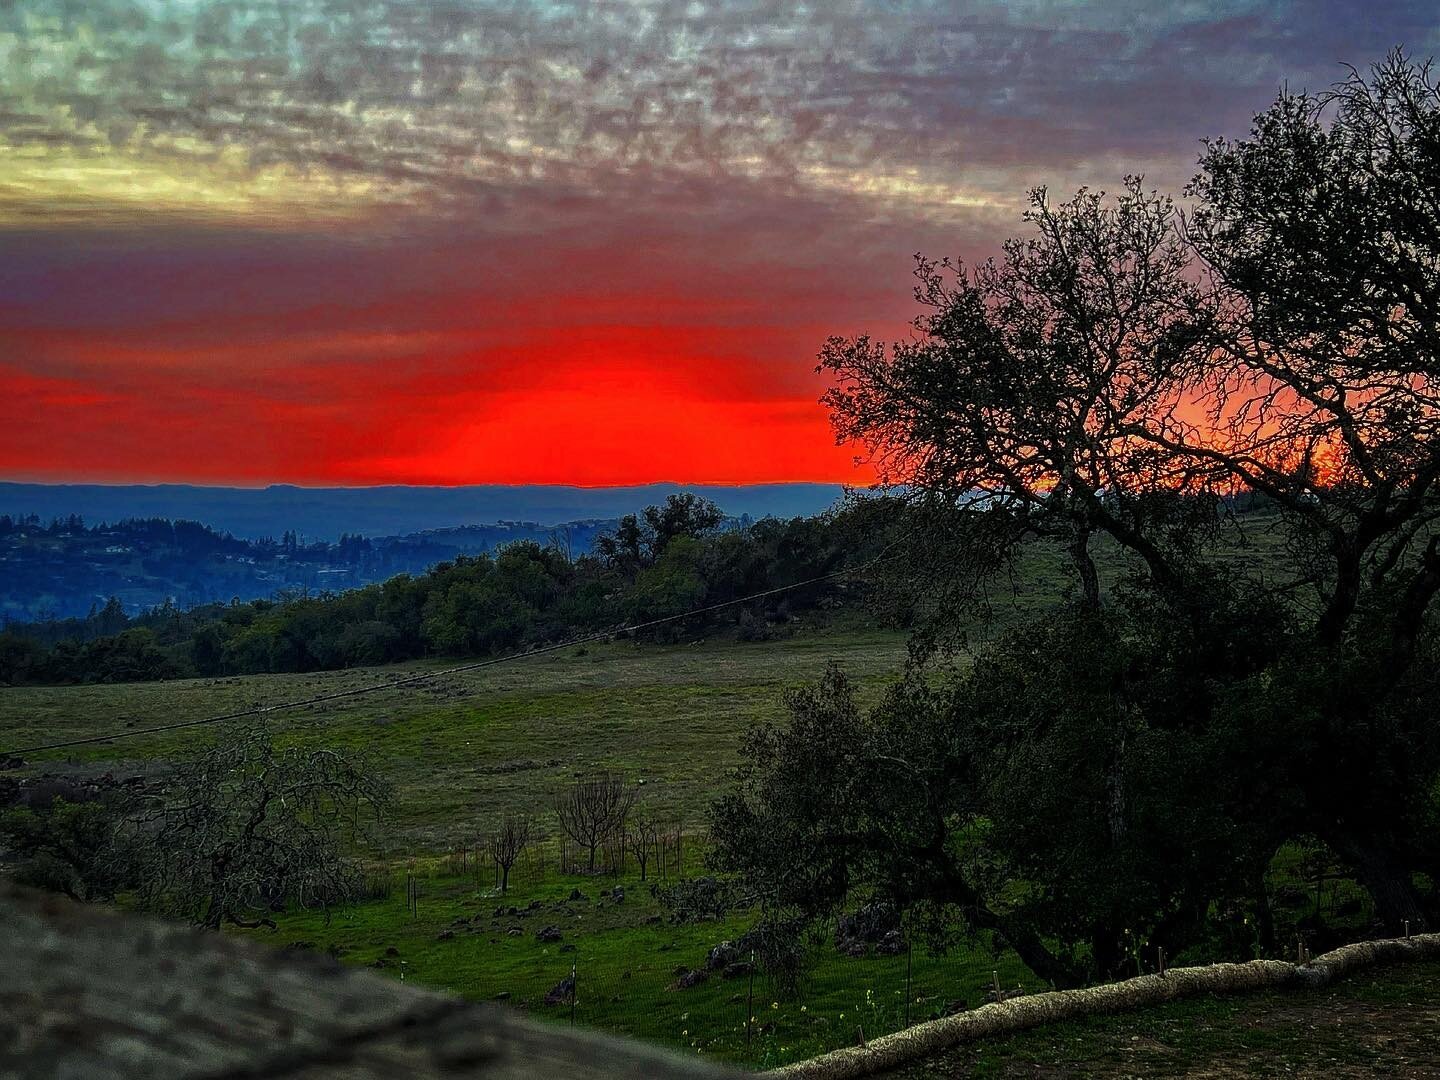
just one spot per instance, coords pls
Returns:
(463, 750)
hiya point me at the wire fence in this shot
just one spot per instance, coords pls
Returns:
(603, 950)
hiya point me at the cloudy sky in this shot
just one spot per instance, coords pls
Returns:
(447, 241)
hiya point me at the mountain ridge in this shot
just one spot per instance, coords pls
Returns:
(326, 513)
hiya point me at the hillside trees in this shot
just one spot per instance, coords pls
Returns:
(1130, 762)
(639, 541)
(525, 594)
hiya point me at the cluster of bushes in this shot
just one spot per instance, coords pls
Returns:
(661, 563)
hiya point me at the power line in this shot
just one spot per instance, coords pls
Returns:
(604, 635)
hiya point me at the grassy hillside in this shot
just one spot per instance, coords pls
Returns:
(462, 750)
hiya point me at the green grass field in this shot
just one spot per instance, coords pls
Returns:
(464, 749)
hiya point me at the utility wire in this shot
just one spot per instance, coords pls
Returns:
(408, 680)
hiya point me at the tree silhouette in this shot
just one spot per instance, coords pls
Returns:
(594, 810)
(1128, 376)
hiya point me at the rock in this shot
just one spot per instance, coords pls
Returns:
(534, 905)
(855, 948)
(892, 944)
(722, 956)
(499, 912)
(445, 935)
(512, 911)
(549, 934)
(392, 951)
(617, 894)
(562, 992)
(576, 894)
(514, 931)
(739, 970)
(503, 995)
(689, 979)
(651, 920)
(869, 925)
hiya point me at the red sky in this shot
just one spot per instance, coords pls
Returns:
(344, 243)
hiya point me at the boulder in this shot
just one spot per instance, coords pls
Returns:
(549, 934)
(722, 956)
(869, 924)
(892, 944)
(689, 979)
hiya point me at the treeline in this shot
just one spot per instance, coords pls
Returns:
(663, 562)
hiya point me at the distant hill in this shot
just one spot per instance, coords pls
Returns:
(325, 514)
(64, 568)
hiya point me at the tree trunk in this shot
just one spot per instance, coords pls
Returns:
(1264, 918)
(1085, 567)
(1031, 950)
(1390, 886)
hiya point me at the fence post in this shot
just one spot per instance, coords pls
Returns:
(750, 1003)
(909, 960)
(574, 990)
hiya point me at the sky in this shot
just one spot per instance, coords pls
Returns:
(347, 242)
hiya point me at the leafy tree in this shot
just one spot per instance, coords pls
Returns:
(1132, 761)
(639, 542)
(73, 842)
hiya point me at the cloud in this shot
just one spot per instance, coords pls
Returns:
(455, 106)
(364, 239)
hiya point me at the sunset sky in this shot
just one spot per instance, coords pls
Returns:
(445, 241)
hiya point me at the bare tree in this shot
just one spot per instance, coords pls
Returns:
(506, 845)
(245, 826)
(594, 810)
(641, 838)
